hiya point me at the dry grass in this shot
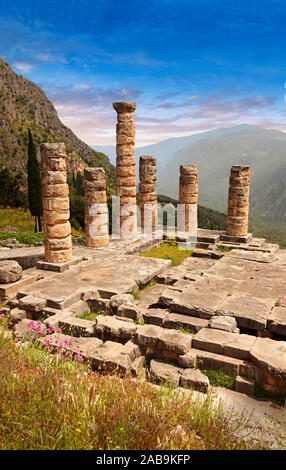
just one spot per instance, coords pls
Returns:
(52, 403)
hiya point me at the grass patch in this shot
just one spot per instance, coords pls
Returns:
(89, 315)
(223, 249)
(167, 251)
(21, 219)
(219, 378)
(26, 238)
(185, 330)
(47, 403)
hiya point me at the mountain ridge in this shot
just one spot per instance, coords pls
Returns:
(23, 105)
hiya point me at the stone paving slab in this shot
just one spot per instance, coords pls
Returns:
(270, 356)
(249, 312)
(175, 320)
(110, 276)
(198, 302)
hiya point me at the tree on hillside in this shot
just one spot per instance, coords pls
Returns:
(34, 184)
(79, 184)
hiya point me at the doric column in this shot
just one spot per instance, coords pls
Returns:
(95, 208)
(56, 208)
(125, 167)
(188, 195)
(238, 201)
(147, 194)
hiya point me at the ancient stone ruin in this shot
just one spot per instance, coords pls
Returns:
(238, 201)
(188, 196)
(223, 308)
(95, 206)
(147, 192)
(125, 167)
(56, 213)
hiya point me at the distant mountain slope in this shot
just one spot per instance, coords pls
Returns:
(24, 105)
(264, 150)
(165, 150)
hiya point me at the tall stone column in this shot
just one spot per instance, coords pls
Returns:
(125, 167)
(56, 208)
(188, 197)
(95, 207)
(147, 194)
(238, 201)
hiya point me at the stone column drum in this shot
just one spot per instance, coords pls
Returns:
(56, 207)
(238, 201)
(147, 194)
(95, 208)
(188, 195)
(125, 167)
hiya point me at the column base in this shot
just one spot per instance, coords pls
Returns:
(58, 267)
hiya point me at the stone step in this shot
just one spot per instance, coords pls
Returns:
(230, 366)
(106, 356)
(225, 343)
(207, 238)
(164, 372)
(165, 319)
(203, 245)
(202, 253)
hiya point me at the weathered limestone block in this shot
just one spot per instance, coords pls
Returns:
(188, 196)
(276, 322)
(238, 201)
(111, 357)
(125, 167)
(119, 299)
(112, 329)
(270, 356)
(32, 304)
(10, 271)
(195, 379)
(243, 385)
(95, 206)
(57, 229)
(147, 193)
(223, 322)
(161, 371)
(16, 315)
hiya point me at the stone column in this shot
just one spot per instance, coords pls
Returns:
(125, 167)
(56, 207)
(188, 195)
(238, 201)
(147, 194)
(95, 208)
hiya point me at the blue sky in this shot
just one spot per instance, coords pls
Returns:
(190, 65)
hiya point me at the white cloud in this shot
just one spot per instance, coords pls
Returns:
(23, 66)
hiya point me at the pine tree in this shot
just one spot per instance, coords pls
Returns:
(34, 184)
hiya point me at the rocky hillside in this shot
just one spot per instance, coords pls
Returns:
(24, 105)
